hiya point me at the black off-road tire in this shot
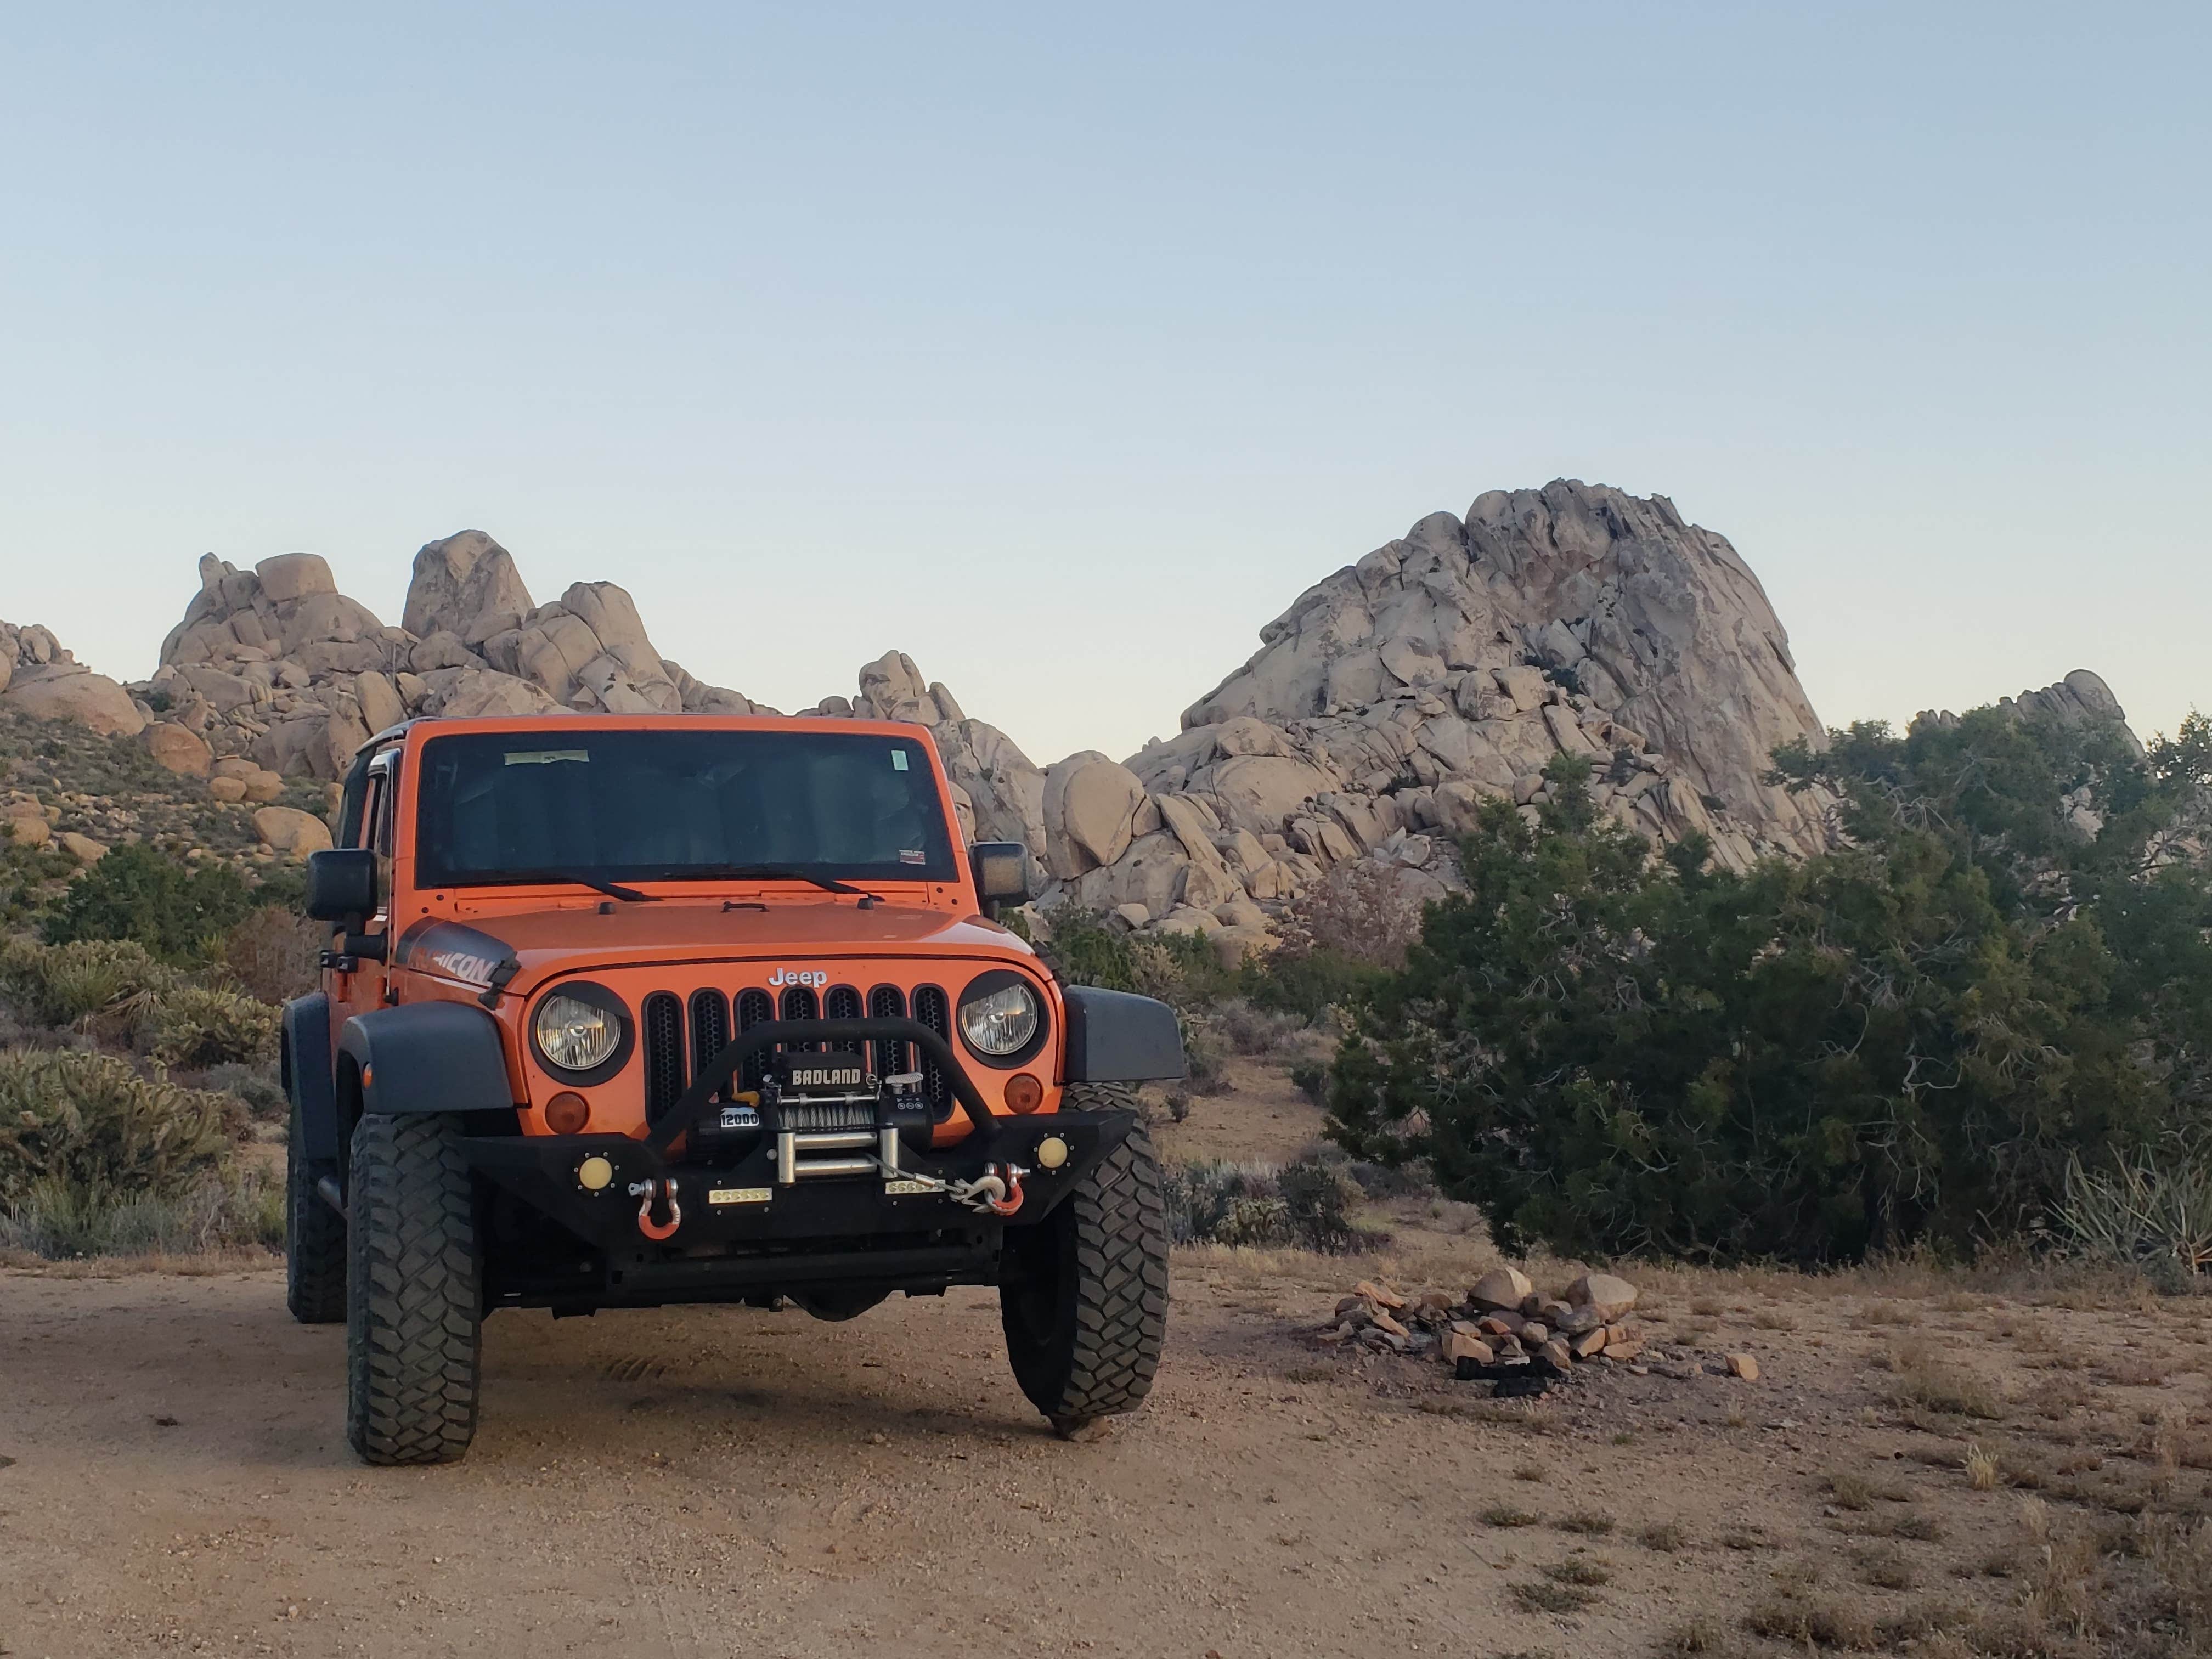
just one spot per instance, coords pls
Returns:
(1084, 1294)
(314, 1242)
(415, 1310)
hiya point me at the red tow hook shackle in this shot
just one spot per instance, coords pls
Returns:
(657, 1230)
(1013, 1200)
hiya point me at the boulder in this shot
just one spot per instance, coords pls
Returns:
(83, 849)
(291, 576)
(226, 788)
(1501, 1288)
(178, 749)
(67, 691)
(379, 699)
(1606, 1295)
(1091, 807)
(466, 587)
(290, 831)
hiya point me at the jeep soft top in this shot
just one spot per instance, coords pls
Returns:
(624, 1011)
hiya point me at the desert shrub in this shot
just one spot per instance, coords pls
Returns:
(1207, 1199)
(57, 985)
(257, 1086)
(274, 952)
(199, 1026)
(1338, 938)
(1903, 1041)
(1318, 1200)
(1306, 982)
(1085, 949)
(1304, 1206)
(2153, 1212)
(1206, 1055)
(1252, 1030)
(1361, 910)
(88, 1123)
(179, 913)
(230, 1205)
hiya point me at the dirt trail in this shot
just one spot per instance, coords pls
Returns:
(701, 1481)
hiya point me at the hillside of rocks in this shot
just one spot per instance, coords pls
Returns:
(1384, 705)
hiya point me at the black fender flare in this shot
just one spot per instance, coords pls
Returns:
(428, 1057)
(1115, 1037)
(304, 1059)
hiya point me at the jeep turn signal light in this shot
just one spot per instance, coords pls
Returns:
(566, 1113)
(1023, 1093)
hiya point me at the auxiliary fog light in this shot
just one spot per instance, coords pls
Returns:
(595, 1173)
(1051, 1153)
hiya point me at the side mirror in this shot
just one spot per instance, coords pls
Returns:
(342, 885)
(1001, 869)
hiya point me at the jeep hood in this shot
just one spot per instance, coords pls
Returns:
(572, 938)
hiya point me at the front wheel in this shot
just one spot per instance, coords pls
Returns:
(414, 1308)
(1082, 1294)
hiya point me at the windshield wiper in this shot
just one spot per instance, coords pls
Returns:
(774, 872)
(611, 889)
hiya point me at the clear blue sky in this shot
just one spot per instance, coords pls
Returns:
(1063, 347)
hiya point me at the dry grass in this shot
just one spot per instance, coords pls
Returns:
(1587, 1523)
(1579, 1570)
(1546, 1596)
(1664, 1536)
(1981, 1468)
(1505, 1515)
(1928, 1379)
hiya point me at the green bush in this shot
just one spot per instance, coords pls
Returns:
(197, 1026)
(1179, 968)
(88, 1123)
(59, 985)
(1308, 983)
(1907, 1042)
(179, 913)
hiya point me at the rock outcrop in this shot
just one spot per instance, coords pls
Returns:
(1384, 706)
(39, 678)
(274, 664)
(1446, 668)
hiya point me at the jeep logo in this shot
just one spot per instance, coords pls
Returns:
(783, 977)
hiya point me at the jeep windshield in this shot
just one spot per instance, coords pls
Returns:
(598, 805)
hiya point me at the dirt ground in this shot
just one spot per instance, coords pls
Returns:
(174, 1475)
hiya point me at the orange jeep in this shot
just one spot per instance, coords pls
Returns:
(630, 1010)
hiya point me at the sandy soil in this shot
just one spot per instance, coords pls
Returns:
(174, 1476)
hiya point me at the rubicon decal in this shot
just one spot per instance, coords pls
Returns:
(457, 952)
(783, 977)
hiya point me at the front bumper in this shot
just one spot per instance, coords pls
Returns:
(755, 1208)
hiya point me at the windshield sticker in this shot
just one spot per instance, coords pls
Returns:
(545, 756)
(913, 855)
(898, 760)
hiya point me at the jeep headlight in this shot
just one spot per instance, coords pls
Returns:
(1000, 1019)
(576, 1036)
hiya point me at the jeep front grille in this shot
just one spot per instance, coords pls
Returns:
(671, 1060)
(710, 1029)
(664, 1053)
(844, 1002)
(755, 1006)
(889, 1002)
(932, 1008)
